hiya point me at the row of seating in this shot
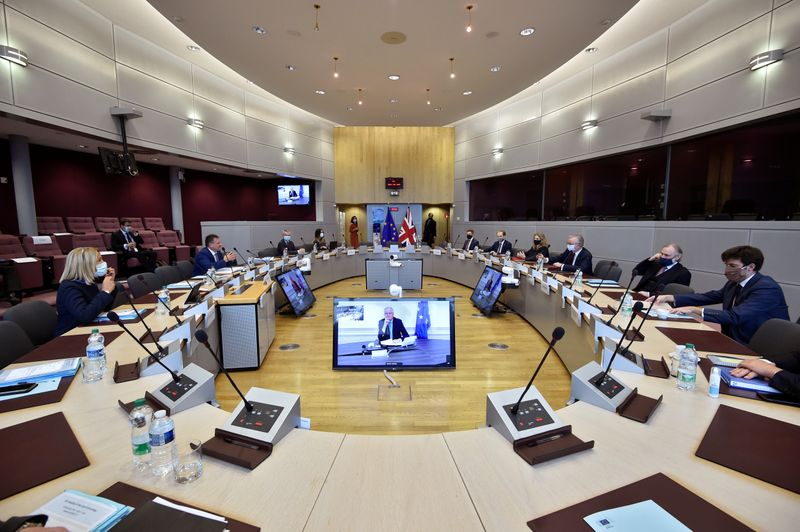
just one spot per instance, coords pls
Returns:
(50, 225)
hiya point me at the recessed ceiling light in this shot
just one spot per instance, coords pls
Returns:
(349, 108)
(526, 32)
(290, 67)
(591, 50)
(394, 100)
(495, 68)
(466, 93)
(214, 169)
(260, 175)
(249, 82)
(82, 145)
(177, 20)
(259, 30)
(606, 22)
(394, 116)
(437, 108)
(319, 92)
(194, 48)
(394, 77)
(155, 158)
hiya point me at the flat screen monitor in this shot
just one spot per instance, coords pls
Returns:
(297, 291)
(487, 290)
(394, 334)
(293, 195)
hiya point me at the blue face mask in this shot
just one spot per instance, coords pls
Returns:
(570, 247)
(101, 269)
(287, 238)
(664, 262)
(124, 229)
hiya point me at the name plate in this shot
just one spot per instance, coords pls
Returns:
(437, 252)
(601, 330)
(461, 256)
(553, 282)
(567, 295)
(326, 256)
(545, 288)
(249, 275)
(279, 264)
(537, 275)
(351, 252)
(576, 316)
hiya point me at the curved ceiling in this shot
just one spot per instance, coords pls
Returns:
(435, 31)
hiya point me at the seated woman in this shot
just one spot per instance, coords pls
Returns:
(783, 374)
(319, 240)
(539, 247)
(80, 300)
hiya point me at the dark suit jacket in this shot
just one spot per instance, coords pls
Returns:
(290, 247)
(79, 304)
(651, 282)
(530, 255)
(429, 230)
(500, 247)
(584, 262)
(204, 260)
(788, 380)
(398, 330)
(469, 245)
(118, 241)
(760, 299)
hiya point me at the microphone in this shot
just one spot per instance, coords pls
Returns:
(634, 273)
(302, 241)
(644, 317)
(256, 258)
(142, 280)
(457, 239)
(202, 337)
(513, 245)
(636, 308)
(604, 279)
(558, 334)
(115, 318)
(271, 244)
(240, 256)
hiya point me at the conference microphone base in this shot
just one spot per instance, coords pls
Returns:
(611, 394)
(173, 360)
(632, 362)
(196, 387)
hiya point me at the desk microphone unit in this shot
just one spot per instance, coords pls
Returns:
(528, 421)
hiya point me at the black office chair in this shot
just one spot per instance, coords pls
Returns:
(14, 341)
(147, 284)
(676, 289)
(776, 338)
(185, 267)
(168, 275)
(268, 252)
(36, 318)
(611, 272)
(121, 298)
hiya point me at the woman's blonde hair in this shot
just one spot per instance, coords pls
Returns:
(543, 243)
(80, 266)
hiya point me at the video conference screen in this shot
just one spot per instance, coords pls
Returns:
(293, 195)
(297, 291)
(384, 333)
(487, 290)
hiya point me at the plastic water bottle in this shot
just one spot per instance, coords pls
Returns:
(577, 283)
(314, 250)
(285, 254)
(539, 264)
(627, 306)
(163, 453)
(687, 369)
(140, 434)
(713, 382)
(163, 303)
(95, 363)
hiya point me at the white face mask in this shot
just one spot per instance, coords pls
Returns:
(570, 247)
(286, 238)
(322, 235)
(101, 269)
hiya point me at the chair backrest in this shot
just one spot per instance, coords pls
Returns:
(268, 252)
(168, 238)
(185, 267)
(610, 273)
(154, 224)
(136, 223)
(776, 338)
(106, 224)
(48, 225)
(80, 224)
(10, 247)
(46, 249)
(149, 239)
(14, 341)
(168, 275)
(121, 298)
(37, 319)
(92, 240)
(602, 264)
(143, 283)
(674, 289)
(602, 268)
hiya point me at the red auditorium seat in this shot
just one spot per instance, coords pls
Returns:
(45, 247)
(106, 224)
(171, 240)
(29, 270)
(48, 225)
(154, 224)
(80, 225)
(95, 240)
(136, 223)
(149, 241)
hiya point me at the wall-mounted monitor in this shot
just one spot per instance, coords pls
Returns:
(394, 334)
(296, 290)
(293, 195)
(487, 290)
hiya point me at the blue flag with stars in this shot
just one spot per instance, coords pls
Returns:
(423, 320)
(389, 233)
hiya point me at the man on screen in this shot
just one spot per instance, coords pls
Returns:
(391, 328)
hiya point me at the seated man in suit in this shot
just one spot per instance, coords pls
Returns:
(128, 244)
(212, 256)
(286, 243)
(748, 298)
(662, 269)
(783, 374)
(575, 257)
(391, 328)
(501, 245)
(471, 242)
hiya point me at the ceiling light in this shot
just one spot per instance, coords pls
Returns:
(591, 50)
(394, 100)
(259, 30)
(196, 122)
(526, 32)
(259, 175)
(14, 55)
(82, 145)
(495, 68)
(316, 17)
(393, 116)
(194, 48)
(497, 151)
(428, 92)
(249, 82)
(288, 150)
(452, 72)
(466, 93)
(588, 124)
(177, 20)
(360, 101)
(763, 59)
(290, 68)
(394, 77)
(335, 71)
(469, 18)
(437, 108)
(606, 22)
(155, 158)
(319, 92)
(349, 108)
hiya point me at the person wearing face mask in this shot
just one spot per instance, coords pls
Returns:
(501, 245)
(354, 240)
(748, 299)
(539, 247)
(128, 244)
(662, 269)
(80, 300)
(575, 257)
(286, 243)
(319, 240)
(471, 242)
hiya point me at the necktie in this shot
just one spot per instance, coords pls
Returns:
(216, 256)
(736, 292)
(127, 238)
(570, 258)
(660, 271)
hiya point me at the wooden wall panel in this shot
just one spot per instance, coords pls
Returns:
(423, 156)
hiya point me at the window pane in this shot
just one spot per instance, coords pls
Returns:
(506, 198)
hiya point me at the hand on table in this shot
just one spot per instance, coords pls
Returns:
(750, 369)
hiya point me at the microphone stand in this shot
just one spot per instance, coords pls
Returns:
(599, 381)
(558, 333)
(634, 273)
(604, 279)
(142, 280)
(202, 337)
(247, 265)
(115, 318)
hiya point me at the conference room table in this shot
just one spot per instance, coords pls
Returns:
(467, 480)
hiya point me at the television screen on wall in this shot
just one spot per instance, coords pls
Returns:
(293, 195)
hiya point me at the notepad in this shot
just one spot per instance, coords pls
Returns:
(40, 372)
(44, 386)
(77, 511)
(645, 515)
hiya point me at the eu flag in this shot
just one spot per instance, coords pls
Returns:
(389, 233)
(423, 320)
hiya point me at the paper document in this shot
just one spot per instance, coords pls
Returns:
(190, 510)
(39, 240)
(602, 282)
(78, 511)
(42, 387)
(40, 372)
(23, 260)
(183, 285)
(123, 315)
(645, 515)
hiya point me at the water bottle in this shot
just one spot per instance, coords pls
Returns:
(577, 283)
(95, 363)
(315, 248)
(627, 306)
(713, 382)
(687, 369)
(163, 303)
(251, 263)
(163, 452)
(140, 434)
(508, 255)
(539, 264)
(285, 254)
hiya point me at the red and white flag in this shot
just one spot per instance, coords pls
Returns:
(408, 235)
